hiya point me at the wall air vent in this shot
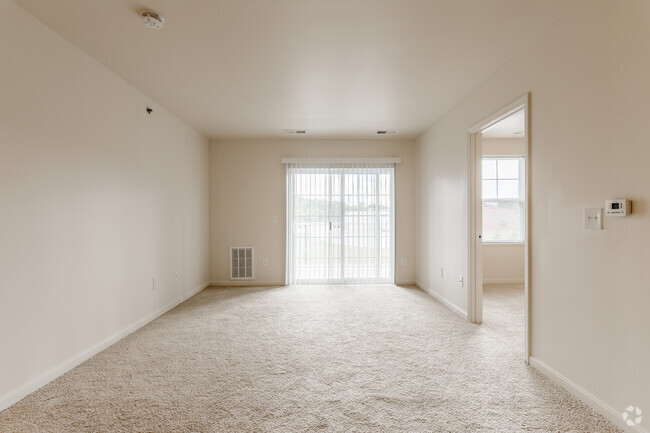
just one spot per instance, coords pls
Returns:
(387, 132)
(241, 263)
(295, 131)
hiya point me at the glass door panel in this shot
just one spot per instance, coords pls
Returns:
(341, 225)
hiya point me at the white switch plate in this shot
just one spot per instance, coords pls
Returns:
(155, 284)
(460, 280)
(403, 262)
(274, 218)
(442, 273)
(265, 262)
(592, 218)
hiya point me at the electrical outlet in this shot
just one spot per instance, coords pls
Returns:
(460, 281)
(265, 262)
(403, 262)
(176, 276)
(155, 284)
(442, 273)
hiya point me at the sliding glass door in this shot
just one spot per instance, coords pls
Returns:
(340, 224)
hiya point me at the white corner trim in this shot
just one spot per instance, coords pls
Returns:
(21, 392)
(442, 300)
(516, 105)
(341, 160)
(585, 396)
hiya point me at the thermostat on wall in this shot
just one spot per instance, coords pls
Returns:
(621, 207)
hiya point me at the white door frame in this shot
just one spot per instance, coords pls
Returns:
(475, 207)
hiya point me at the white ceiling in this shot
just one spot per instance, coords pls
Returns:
(339, 68)
(513, 126)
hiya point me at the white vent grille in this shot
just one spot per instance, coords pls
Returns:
(241, 263)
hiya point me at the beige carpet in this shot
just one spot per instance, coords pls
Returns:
(302, 359)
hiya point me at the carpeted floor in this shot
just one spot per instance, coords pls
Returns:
(302, 359)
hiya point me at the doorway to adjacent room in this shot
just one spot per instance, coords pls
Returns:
(498, 288)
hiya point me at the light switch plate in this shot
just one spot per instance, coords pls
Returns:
(592, 219)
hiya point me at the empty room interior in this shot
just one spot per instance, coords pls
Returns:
(345, 216)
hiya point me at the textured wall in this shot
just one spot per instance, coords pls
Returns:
(588, 78)
(98, 198)
(248, 188)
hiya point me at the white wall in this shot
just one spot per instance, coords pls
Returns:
(590, 297)
(503, 263)
(248, 188)
(503, 146)
(97, 198)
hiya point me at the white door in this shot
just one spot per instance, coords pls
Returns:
(340, 225)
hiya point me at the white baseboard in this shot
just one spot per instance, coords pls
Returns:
(442, 300)
(585, 396)
(255, 283)
(192, 292)
(246, 283)
(503, 281)
(18, 394)
(405, 283)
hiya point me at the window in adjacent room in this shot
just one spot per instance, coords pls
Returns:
(503, 199)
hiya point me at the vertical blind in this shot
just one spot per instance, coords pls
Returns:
(340, 222)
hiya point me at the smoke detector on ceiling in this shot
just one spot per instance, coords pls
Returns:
(152, 20)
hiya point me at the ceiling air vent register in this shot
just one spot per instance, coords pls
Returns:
(241, 263)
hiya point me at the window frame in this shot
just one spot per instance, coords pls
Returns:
(348, 237)
(521, 199)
